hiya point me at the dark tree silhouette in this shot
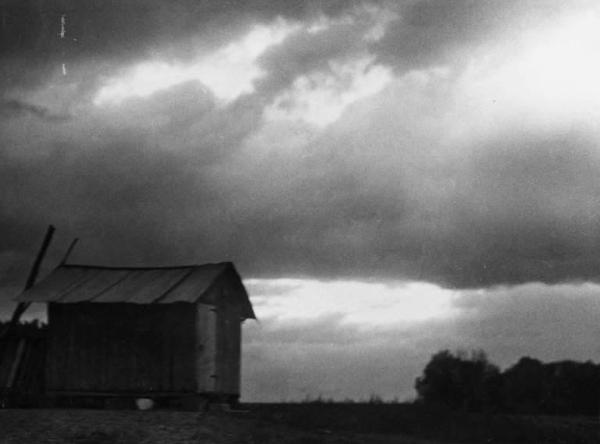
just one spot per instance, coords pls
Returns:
(471, 382)
(461, 380)
(524, 386)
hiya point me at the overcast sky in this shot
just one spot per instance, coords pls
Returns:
(390, 178)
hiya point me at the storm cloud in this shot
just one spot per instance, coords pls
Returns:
(38, 36)
(387, 190)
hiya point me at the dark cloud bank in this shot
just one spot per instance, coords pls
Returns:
(167, 179)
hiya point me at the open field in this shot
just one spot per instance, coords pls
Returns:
(132, 427)
(289, 423)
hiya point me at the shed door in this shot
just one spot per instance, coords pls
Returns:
(206, 348)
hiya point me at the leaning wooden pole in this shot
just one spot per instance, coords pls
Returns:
(69, 251)
(35, 269)
(5, 335)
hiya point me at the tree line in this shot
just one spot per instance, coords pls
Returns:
(470, 382)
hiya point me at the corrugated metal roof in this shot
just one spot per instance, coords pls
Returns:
(81, 283)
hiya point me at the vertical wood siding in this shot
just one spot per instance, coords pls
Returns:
(228, 340)
(206, 348)
(121, 347)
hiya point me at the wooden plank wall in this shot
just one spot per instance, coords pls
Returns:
(228, 340)
(206, 348)
(121, 347)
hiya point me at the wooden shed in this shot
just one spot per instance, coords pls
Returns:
(143, 332)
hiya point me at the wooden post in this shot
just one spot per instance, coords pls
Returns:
(69, 251)
(40, 256)
(22, 306)
(16, 364)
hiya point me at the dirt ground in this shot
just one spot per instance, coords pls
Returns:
(131, 427)
(291, 424)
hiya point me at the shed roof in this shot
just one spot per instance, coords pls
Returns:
(141, 285)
